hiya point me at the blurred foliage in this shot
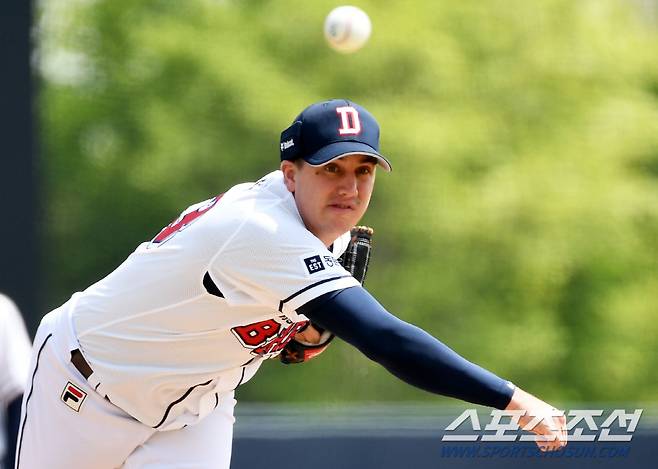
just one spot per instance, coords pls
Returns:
(520, 225)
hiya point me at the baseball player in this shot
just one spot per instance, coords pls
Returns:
(14, 364)
(140, 369)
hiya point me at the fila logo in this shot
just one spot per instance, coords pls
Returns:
(349, 119)
(73, 396)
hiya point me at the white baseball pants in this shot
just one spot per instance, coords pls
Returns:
(99, 435)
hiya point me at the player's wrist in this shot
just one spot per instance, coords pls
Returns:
(519, 400)
(508, 390)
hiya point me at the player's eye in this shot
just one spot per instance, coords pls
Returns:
(364, 170)
(331, 168)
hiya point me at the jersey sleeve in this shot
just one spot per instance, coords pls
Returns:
(278, 264)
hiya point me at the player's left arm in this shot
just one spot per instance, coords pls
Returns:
(405, 350)
(419, 359)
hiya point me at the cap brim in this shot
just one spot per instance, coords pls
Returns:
(345, 148)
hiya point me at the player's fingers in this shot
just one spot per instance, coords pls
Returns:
(559, 443)
(563, 431)
(551, 446)
(544, 442)
(551, 433)
(556, 433)
(550, 440)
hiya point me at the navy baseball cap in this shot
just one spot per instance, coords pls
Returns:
(331, 129)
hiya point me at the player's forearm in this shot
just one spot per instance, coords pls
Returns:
(425, 362)
(405, 350)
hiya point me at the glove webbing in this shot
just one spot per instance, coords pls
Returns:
(356, 257)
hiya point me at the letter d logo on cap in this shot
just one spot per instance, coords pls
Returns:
(349, 119)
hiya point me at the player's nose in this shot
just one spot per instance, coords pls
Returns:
(347, 186)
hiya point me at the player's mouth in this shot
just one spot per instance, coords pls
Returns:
(346, 207)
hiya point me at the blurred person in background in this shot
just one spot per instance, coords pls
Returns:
(14, 364)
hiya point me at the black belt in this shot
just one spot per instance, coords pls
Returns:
(81, 364)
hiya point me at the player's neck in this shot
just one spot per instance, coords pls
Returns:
(327, 239)
(326, 236)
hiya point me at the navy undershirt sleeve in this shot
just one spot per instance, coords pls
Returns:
(405, 350)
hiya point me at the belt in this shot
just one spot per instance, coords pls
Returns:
(80, 363)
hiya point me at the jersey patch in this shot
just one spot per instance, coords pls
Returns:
(314, 264)
(73, 396)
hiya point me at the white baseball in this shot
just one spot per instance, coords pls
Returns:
(347, 28)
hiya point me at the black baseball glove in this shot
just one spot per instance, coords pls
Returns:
(355, 260)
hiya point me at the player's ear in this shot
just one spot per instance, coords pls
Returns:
(289, 170)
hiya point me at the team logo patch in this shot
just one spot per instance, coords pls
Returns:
(314, 264)
(73, 396)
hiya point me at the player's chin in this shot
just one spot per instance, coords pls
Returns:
(347, 217)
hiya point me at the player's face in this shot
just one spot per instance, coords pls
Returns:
(333, 197)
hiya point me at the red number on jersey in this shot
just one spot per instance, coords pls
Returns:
(185, 219)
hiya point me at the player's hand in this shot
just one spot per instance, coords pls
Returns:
(548, 423)
(309, 342)
(308, 335)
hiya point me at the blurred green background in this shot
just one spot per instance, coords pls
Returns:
(520, 225)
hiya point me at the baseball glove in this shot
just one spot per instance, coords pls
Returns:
(355, 260)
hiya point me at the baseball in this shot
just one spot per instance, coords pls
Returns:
(347, 28)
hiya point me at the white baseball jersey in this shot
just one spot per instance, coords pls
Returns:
(15, 352)
(192, 314)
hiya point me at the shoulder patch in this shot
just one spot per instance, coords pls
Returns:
(314, 264)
